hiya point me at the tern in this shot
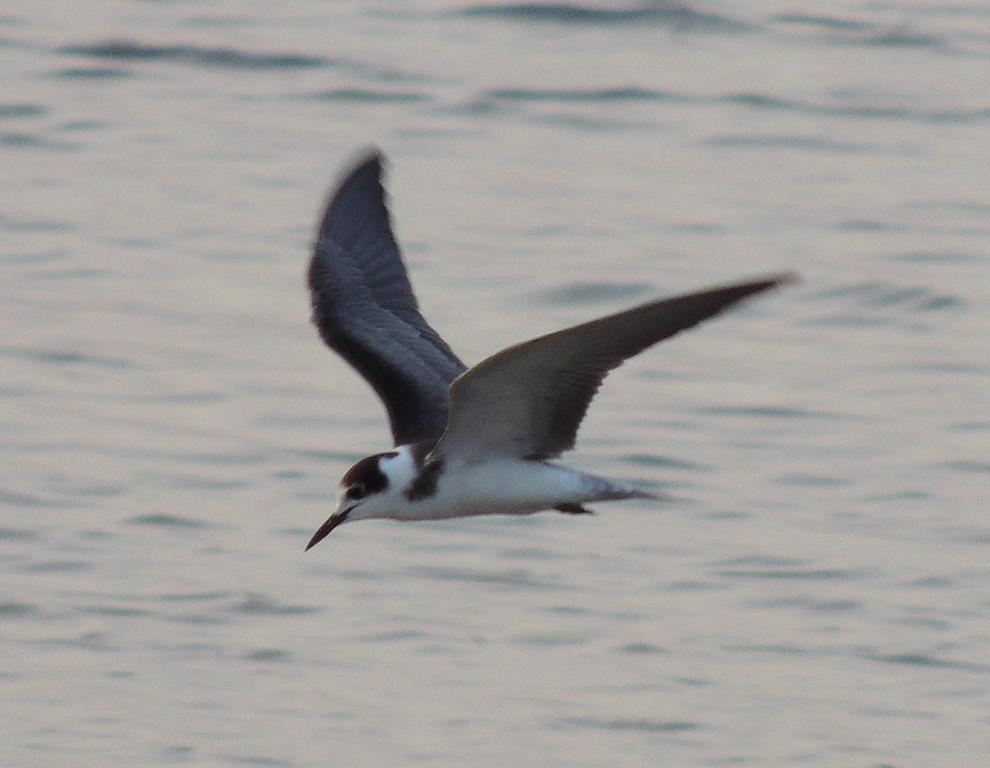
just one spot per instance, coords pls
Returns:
(467, 441)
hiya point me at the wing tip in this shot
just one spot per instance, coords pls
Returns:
(370, 156)
(742, 291)
(367, 162)
(785, 278)
(365, 167)
(772, 281)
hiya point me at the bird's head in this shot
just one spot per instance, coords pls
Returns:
(372, 488)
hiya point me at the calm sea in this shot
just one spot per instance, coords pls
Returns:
(172, 429)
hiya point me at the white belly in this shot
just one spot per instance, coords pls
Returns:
(503, 487)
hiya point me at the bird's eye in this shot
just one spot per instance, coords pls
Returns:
(355, 492)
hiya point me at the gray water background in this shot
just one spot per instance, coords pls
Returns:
(172, 430)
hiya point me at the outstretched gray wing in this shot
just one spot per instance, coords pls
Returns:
(528, 401)
(365, 310)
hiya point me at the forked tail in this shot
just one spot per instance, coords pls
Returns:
(604, 489)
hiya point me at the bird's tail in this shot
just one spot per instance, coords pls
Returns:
(609, 490)
(638, 493)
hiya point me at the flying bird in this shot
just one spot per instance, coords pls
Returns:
(468, 441)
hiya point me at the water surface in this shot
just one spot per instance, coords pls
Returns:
(171, 428)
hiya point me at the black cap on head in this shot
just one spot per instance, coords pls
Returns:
(367, 473)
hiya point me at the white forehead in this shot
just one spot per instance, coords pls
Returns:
(398, 466)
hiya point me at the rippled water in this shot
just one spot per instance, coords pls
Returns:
(171, 428)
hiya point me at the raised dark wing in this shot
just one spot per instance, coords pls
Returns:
(365, 310)
(528, 401)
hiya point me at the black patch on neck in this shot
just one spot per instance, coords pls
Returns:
(424, 484)
(367, 473)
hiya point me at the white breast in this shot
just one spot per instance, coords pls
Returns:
(502, 486)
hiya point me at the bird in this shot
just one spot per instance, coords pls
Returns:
(468, 441)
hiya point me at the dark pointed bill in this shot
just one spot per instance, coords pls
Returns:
(324, 530)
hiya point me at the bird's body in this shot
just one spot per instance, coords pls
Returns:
(500, 486)
(472, 441)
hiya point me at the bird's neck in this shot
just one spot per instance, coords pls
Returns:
(409, 472)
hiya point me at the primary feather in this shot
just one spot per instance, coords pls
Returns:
(365, 309)
(528, 401)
